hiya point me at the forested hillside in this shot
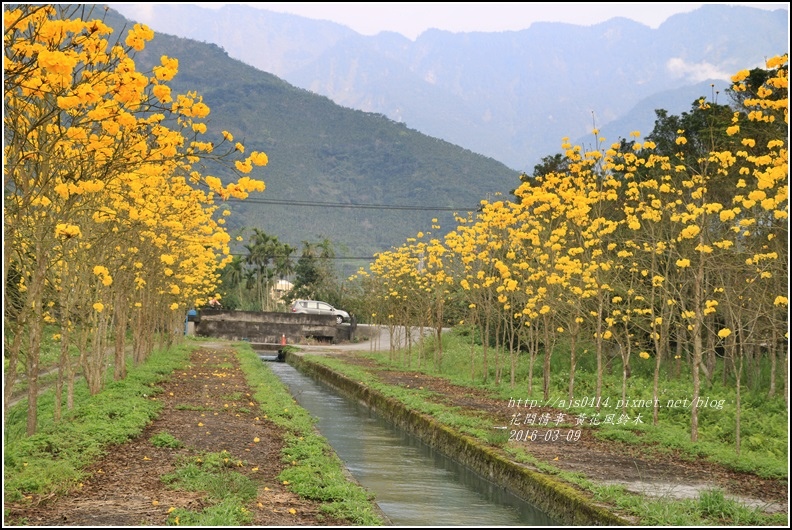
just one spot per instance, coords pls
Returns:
(320, 152)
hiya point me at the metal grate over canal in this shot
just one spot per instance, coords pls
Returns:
(412, 483)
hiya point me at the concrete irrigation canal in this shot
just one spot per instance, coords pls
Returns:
(412, 483)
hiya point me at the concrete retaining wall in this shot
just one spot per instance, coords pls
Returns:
(269, 327)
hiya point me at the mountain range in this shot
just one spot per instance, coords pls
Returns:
(412, 151)
(358, 179)
(510, 95)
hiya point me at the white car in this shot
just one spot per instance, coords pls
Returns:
(315, 307)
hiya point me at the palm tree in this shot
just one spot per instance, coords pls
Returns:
(259, 255)
(234, 274)
(284, 265)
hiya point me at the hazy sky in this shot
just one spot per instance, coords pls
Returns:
(412, 18)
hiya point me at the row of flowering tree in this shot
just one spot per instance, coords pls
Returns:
(670, 248)
(109, 223)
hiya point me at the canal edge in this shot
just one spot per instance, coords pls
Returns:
(557, 499)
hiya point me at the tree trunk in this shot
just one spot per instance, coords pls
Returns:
(121, 311)
(661, 346)
(599, 347)
(485, 346)
(497, 351)
(625, 356)
(32, 366)
(572, 362)
(94, 366)
(738, 411)
(534, 345)
(439, 332)
(472, 349)
(709, 372)
(35, 331)
(773, 344)
(785, 351)
(548, 351)
(512, 355)
(698, 347)
(82, 346)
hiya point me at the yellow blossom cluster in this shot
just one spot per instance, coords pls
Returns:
(106, 205)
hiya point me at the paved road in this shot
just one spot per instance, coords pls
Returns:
(380, 340)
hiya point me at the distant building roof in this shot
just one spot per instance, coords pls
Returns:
(283, 285)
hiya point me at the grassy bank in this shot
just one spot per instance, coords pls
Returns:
(762, 418)
(52, 461)
(764, 430)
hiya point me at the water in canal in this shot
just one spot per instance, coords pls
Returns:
(412, 483)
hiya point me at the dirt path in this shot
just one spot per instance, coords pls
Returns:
(208, 407)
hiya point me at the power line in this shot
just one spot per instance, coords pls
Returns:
(351, 205)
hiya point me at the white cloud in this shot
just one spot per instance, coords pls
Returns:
(695, 72)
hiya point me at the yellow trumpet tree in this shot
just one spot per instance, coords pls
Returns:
(101, 181)
(680, 238)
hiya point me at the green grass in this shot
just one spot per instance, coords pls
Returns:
(199, 473)
(227, 512)
(234, 396)
(711, 508)
(214, 474)
(52, 460)
(164, 439)
(764, 422)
